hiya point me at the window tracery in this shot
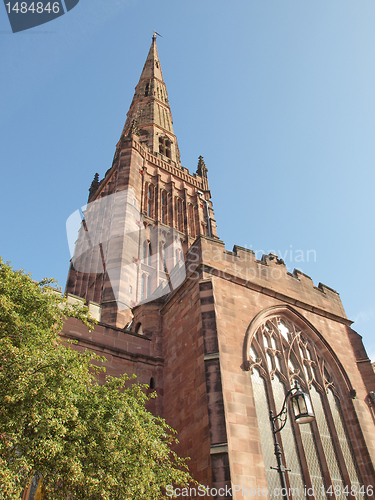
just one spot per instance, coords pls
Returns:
(319, 454)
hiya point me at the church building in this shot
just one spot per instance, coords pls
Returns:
(219, 335)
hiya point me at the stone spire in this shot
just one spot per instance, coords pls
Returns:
(145, 213)
(151, 112)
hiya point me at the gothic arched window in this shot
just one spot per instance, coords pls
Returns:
(147, 252)
(319, 454)
(145, 286)
(165, 146)
(164, 207)
(180, 215)
(192, 221)
(178, 255)
(150, 200)
(162, 258)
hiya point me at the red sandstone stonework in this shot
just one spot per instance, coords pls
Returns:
(193, 343)
(194, 347)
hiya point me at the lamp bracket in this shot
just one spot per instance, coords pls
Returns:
(283, 469)
(283, 415)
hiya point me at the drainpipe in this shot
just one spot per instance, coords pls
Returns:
(200, 195)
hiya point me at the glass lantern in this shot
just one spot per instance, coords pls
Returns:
(302, 408)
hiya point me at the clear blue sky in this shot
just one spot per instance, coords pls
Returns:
(278, 96)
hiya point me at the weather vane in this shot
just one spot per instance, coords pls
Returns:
(156, 33)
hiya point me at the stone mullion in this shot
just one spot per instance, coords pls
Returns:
(189, 213)
(104, 251)
(77, 251)
(108, 217)
(85, 279)
(72, 277)
(270, 396)
(322, 458)
(336, 442)
(153, 214)
(144, 209)
(99, 265)
(173, 212)
(91, 274)
(139, 278)
(299, 443)
(157, 257)
(272, 406)
(157, 195)
(301, 454)
(196, 221)
(358, 446)
(315, 431)
(201, 216)
(185, 216)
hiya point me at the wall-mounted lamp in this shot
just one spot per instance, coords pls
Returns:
(371, 398)
(303, 414)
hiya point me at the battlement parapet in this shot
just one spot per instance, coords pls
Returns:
(269, 275)
(325, 288)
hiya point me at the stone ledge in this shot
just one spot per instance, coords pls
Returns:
(219, 448)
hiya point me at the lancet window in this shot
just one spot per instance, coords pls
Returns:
(147, 252)
(180, 215)
(164, 208)
(192, 221)
(162, 257)
(145, 286)
(165, 147)
(150, 200)
(178, 255)
(319, 454)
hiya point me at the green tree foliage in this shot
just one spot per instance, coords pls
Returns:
(86, 440)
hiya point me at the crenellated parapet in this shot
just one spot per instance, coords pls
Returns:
(268, 276)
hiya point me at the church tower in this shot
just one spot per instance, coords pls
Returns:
(144, 214)
(221, 336)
